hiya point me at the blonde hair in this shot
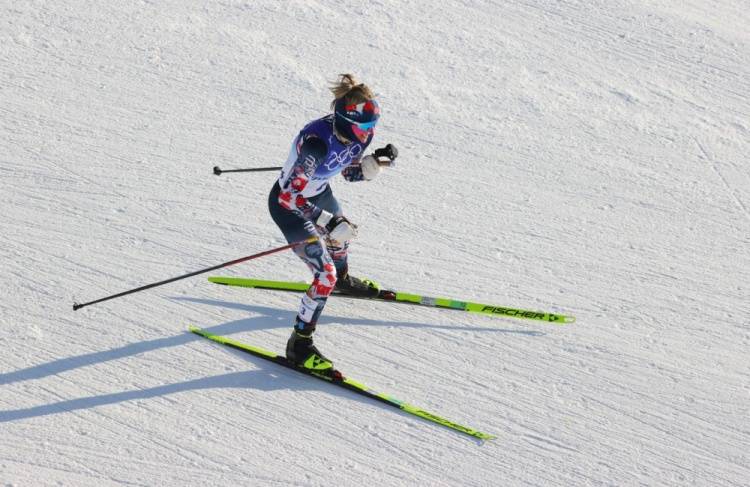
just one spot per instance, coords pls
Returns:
(352, 91)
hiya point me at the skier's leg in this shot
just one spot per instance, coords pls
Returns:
(320, 262)
(300, 348)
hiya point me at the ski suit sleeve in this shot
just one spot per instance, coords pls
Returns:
(311, 153)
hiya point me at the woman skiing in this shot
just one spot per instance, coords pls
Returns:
(303, 206)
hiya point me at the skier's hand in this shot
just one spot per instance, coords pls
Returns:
(383, 157)
(386, 156)
(340, 230)
(370, 167)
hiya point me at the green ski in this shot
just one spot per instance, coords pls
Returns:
(406, 298)
(344, 382)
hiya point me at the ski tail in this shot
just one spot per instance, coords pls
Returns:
(260, 283)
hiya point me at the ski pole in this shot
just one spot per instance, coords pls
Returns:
(218, 170)
(385, 156)
(77, 306)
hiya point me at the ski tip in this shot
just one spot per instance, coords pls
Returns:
(556, 319)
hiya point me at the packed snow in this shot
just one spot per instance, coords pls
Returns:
(576, 157)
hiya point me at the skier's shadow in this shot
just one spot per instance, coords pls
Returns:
(283, 319)
(71, 363)
(270, 318)
(264, 377)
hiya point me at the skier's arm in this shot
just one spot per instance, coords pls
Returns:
(312, 151)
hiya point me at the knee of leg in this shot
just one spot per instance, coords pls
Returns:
(331, 274)
(326, 280)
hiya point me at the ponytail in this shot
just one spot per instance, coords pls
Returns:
(350, 89)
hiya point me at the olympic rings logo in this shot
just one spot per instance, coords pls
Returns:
(343, 158)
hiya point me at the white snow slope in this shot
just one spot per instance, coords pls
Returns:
(583, 157)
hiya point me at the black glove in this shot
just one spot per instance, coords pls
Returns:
(389, 153)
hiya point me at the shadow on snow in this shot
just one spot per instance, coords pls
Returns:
(265, 377)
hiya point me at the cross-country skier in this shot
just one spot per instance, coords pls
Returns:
(303, 206)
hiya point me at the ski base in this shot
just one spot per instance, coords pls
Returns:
(406, 298)
(338, 379)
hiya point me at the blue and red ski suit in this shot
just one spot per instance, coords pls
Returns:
(299, 196)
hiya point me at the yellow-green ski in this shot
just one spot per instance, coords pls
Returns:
(338, 379)
(407, 298)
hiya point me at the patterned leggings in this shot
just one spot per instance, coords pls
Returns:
(326, 261)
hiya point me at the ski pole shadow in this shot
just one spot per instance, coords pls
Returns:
(231, 380)
(269, 318)
(289, 316)
(70, 363)
(266, 377)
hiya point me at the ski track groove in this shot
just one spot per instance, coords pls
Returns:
(730, 191)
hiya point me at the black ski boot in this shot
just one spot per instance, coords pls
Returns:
(354, 286)
(302, 353)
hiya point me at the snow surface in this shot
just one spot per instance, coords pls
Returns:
(582, 157)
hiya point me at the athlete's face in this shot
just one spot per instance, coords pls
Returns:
(355, 113)
(363, 131)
